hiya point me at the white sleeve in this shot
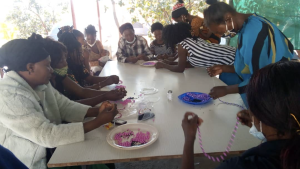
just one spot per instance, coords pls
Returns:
(17, 113)
(70, 111)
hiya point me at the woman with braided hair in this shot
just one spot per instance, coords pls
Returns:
(62, 82)
(76, 64)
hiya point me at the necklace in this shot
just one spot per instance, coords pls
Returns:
(232, 137)
(217, 159)
(132, 41)
(92, 44)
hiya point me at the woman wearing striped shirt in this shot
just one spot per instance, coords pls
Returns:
(193, 52)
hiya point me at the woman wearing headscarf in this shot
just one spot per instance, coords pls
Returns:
(32, 111)
(181, 14)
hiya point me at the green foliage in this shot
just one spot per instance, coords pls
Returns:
(35, 16)
(160, 10)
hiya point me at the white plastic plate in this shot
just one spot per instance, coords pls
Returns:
(134, 127)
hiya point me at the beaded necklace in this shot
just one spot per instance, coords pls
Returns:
(232, 137)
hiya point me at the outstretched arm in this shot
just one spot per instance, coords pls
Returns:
(182, 53)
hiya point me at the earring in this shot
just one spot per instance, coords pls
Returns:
(232, 24)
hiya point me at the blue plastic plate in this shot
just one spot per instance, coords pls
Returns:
(196, 101)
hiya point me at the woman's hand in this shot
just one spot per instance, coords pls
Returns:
(115, 95)
(107, 112)
(114, 79)
(162, 57)
(190, 125)
(218, 91)
(214, 70)
(244, 117)
(96, 86)
(159, 65)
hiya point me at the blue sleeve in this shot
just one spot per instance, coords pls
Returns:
(9, 161)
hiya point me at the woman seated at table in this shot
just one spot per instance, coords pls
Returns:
(260, 43)
(273, 95)
(158, 47)
(193, 51)
(98, 56)
(80, 38)
(181, 14)
(32, 111)
(131, 47)
(69, 88)
(76, 65)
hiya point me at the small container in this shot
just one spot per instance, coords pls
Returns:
(169, 95)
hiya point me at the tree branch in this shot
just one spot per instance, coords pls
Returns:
(44, 25)
(115, 15)
(166, 13)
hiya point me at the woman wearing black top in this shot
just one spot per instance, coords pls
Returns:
(273, 95)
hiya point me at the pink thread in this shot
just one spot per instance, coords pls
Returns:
(120, 86)
(227, 149)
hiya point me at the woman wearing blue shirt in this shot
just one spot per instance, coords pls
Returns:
(260, 43)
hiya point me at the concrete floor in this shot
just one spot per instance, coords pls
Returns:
(204, 163)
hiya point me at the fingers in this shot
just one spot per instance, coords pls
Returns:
(200, 121)
(187, 114)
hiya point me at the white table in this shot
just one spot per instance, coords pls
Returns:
(219, 119)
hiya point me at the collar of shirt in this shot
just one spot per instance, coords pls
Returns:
(14, 75)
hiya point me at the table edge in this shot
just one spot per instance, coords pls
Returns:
(136, 159)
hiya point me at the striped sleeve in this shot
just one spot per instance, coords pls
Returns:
(204, 54)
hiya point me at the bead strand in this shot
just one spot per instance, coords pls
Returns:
(232, 137)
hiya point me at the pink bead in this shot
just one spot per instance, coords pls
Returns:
(224, 154)
(213, 159)
(233, 135)
(208, 157)
(222, 157)
(217, 159)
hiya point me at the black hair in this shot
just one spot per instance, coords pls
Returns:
(215, 13)
(77, 33)
(90, 30)
(156, 26)
(181, 11)
(273, 94)
(210, 2)
(16, 54)
(175, 33)
(55, 49)
(73, 47)
(125, 26)
(63, 30)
